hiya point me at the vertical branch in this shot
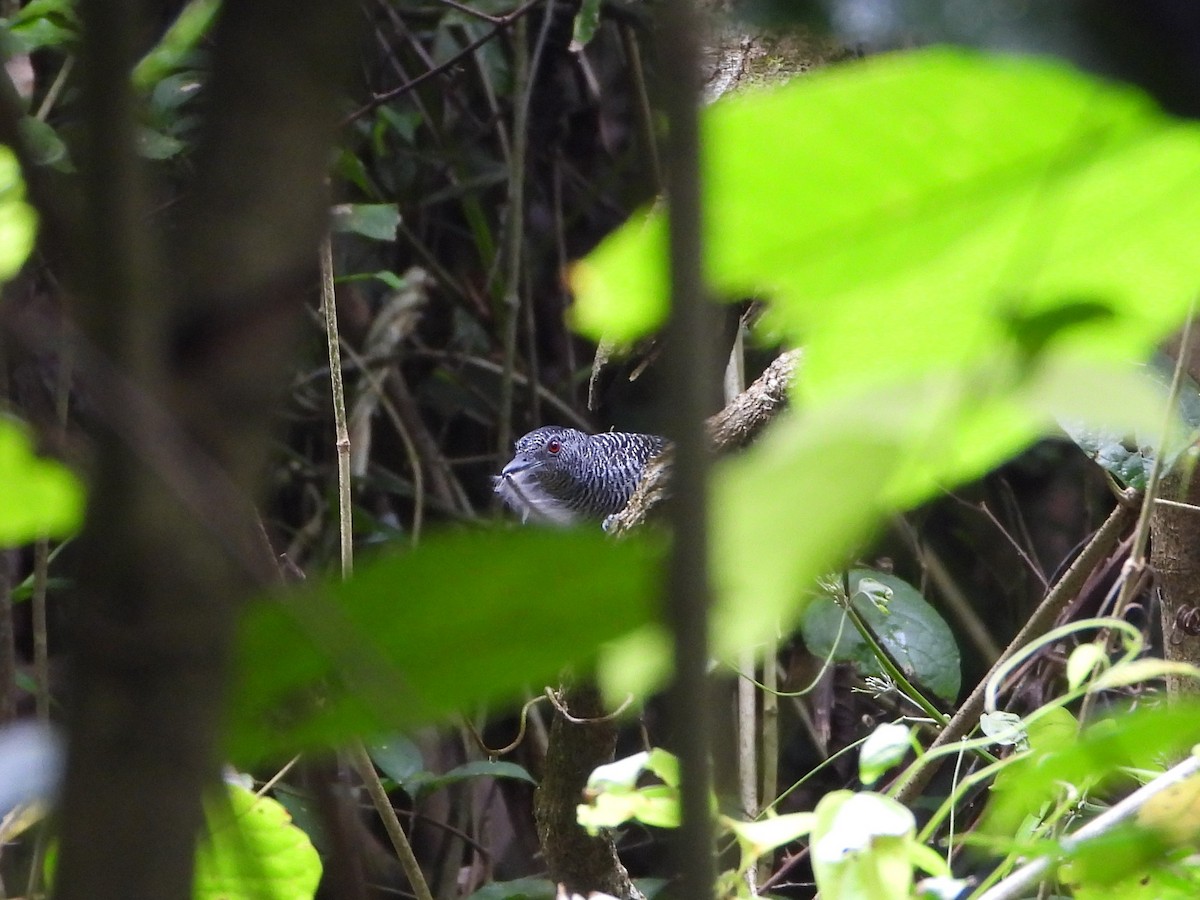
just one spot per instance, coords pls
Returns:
(525, 67)
(747, 699)
(691, 374)
(341, 428)
(769, 745)
(41, 550)
(41, 644)
(514, 231)
(359, 757)
(8, 643)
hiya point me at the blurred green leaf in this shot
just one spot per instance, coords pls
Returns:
(44, 143)
(521, 889)
(44, 23)
(1128, 453)
(252, 850)
(613, 796)
(910, 629)
(466, 617)
(764, 835)
(1006, 199)
(860, 845)
(173, 50)
(41, 498)
(952, 304)
(885, 747)
(426, 782)
(156, 145)
(397, 757)
(587, 20)
(377, 221)
(1137, 738)
(17, 219)
(172, 92)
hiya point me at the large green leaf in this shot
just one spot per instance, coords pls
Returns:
(924, 210)
(465, 618)
(968, 248)
(910, 629)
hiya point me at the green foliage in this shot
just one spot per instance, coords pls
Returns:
(863, 844)
(613, 795)
(18, 222)
(174, 49)
(42, 23)
(253, 851)
(951, 303)
(1137, 739)
(587, 20)
(908, 627)
(377, 221)
(886, 746)
(400, 759)
(1129, 457)
(41, 498)
(411, 638)
(863, 847)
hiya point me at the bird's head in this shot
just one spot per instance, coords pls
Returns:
(551, 447)
(541, 457)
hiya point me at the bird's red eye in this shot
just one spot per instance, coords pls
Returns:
(553, 446)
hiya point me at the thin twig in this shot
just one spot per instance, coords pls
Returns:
(277, 777)
(1016, 545)
(508, 748)
(357, 751)
(561, 709)
(1018, 883)
(391, 823)
(502, 23)
(410, 447)
(514, 236)
(1191, 507)
(645, 115)
(1141, 534)
(60, 81)
(958, 604)
(41, 648)
(341, 428)
(1097, 549)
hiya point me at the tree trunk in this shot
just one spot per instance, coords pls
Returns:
(188, 341)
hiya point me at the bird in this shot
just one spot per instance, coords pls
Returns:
(563, 476)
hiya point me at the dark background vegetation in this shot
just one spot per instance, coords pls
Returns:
(191, 274)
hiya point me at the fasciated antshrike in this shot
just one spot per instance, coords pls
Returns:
(563, 476)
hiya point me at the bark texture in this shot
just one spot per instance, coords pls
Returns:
(1175, 557)
(574, 858)
(734, 427)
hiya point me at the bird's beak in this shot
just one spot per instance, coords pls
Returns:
(518, 464)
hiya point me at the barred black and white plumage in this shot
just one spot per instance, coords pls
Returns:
(563, 476)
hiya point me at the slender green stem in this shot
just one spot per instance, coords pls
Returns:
(889, 664)
(391, 823)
